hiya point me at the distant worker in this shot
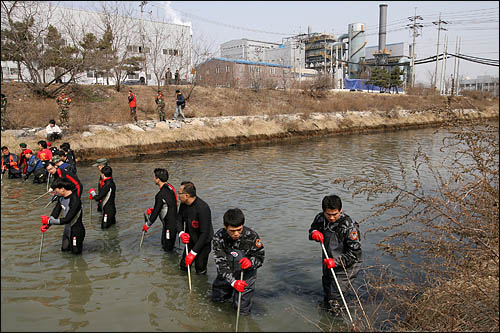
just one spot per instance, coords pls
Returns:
(64, 102)
(23, 161)
(35, 167)
(100, 163)
(106, 195)
(44, 154)
(70, 155)
(180, 105)
(236, 249)
(9, 162)
(177, 77)
(340, 235)
(4, 110)
(53, 131)
(132, 103)
(160, 105)
(57, 173)
(168, 77)
(70, 206)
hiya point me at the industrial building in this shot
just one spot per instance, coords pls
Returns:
(344, 57)
(172, 50)
(485, 83)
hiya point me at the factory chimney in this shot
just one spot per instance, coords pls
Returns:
(309, 30)
(382, 27)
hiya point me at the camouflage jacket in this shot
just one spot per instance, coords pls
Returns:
(341, 239)
(160, 100)
(63, 101)
(226, 249)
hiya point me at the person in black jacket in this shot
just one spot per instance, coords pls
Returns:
(340, 235)
(100, 163)
(165, 208)
(70, 155)
(70, 206)
(195, 224)
(56, 173)
(106, 196)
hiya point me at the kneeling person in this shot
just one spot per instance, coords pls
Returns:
(107, 196)
(71, 207)
(236, 248)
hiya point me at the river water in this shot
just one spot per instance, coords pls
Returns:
(115, 286)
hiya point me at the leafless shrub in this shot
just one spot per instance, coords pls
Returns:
(443, 233)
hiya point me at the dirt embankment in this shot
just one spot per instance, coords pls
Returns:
(219, 117)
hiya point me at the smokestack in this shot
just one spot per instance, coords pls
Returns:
(309, 30)
(382, 26)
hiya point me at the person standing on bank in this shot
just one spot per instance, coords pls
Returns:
(180, 105)
(132, 103)
(71, 207)
(63, 101)
(195, 224)
(165, 207)
(106, 196)
(53, 131)
(160, 105)
(100, 163)
(236, 248)
(340, 235)
(168, 77)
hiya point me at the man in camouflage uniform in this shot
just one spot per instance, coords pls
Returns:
(236, 249)
(4, 111)
(63, 101)
(160, 105)
(340, 235)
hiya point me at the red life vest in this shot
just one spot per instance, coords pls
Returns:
(12, 163)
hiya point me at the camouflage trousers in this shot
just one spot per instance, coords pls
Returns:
(161, 112)
(4, 116)
(64, 116)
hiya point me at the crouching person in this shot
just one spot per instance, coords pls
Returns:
(236, 248)
(71, 207)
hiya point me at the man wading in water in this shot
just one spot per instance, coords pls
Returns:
(341, 238)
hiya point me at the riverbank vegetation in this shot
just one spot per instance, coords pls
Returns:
(443, 231)
(97, 104)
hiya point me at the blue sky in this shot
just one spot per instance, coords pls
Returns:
(215, 22)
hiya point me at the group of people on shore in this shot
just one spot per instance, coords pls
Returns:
(237, 249)
(180, 104)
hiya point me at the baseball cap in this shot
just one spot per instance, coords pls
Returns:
(22, 145)
(100, 161)
(28, 151)
(55, 159)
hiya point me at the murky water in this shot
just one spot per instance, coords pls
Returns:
(115, 286)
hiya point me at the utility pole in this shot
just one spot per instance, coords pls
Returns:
(438, 23)
(454, 75)
(442, 82)
(458, 66)
(414, 26)
(143, 3)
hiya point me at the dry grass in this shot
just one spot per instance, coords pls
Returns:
(96, 104)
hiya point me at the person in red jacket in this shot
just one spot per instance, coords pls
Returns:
(44, 154)
(132, 103)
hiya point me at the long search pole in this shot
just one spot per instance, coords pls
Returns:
(239, 305)
(338, 287)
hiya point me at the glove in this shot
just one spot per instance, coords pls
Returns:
(189, 258)
(145, 227)
(92, 193)
(51, 190)
(330, 263)
(90, 197)
(45, 219)
(240, 285)
(149, 211)
(44, 227)
(53, 220)
(245, 263)
(184, 236)
(317, 236)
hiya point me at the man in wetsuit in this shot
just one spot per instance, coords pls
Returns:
(23, 161)
(70, 206)
(100, 163)
(194, 222)
(340, 235)
(165, 207)
(55, 172)
(70, 155)
(35, 167)
(106, 196)
(236, 248)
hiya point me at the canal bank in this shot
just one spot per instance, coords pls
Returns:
(146, 137)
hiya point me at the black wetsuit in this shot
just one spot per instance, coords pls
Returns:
(64, 173)
(107, 196)
(227, 254)
(166, 209)
(342, 243)
(71, 160)
(196, 220)
(74, 231)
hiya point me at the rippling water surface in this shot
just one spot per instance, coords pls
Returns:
(115, 286)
